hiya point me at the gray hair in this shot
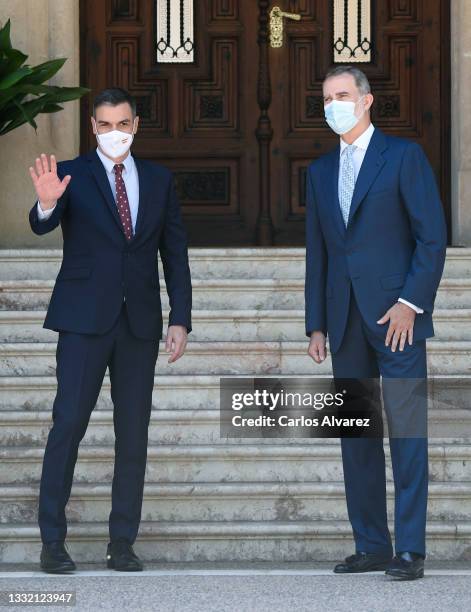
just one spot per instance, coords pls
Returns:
(361, 80)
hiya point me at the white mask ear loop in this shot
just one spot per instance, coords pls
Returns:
(364, 109)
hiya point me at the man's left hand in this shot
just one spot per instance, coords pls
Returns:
(401, 326)
(177, 336)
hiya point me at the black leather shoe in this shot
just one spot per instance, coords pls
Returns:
(406, 566)
(121, 557)
(55, 559)
(363, 562)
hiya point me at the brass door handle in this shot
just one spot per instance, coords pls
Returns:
(276, 25)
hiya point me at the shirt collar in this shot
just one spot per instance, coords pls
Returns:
(110, 164)
(362, 141)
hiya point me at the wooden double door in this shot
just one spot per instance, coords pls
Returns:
(239, 124)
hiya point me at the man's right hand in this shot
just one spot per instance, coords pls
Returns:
(49, 188)
(317, 347)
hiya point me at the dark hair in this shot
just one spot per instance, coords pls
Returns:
(361, 80)
(114, 96)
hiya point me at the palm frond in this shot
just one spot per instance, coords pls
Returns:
(23, 92)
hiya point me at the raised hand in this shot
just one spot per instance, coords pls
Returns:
(49, 188)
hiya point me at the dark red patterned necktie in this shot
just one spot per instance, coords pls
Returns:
(122, 201)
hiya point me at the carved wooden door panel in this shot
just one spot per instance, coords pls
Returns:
(197, 118)
(239, 123)
(409, 76)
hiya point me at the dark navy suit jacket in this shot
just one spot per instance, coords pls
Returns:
(394, 244)
(100, 268)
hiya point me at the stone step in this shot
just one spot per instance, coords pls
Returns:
(229, 358)
(207, 497)
(220, 294)
(257, 262)
(27, 428)
(188, 392)
(234, 501)
(228, 325)
(170, 392)
(318, 461)
(227, 541)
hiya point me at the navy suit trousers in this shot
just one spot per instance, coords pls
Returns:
(82, 360)
(363, 354)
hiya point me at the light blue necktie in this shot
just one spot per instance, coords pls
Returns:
(347, 181)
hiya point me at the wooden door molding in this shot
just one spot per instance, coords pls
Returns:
(239, 126)
(198, 119)
(264, 130)
(409, 75)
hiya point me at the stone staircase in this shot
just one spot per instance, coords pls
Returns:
(208, 498)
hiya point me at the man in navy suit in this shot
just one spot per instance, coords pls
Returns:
(116, 213)
(375, 252)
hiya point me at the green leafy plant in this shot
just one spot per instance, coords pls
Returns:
(23, 94)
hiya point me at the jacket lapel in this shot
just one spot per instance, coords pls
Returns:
(99, 173)
(334, 188)
(144, 181)
(370, 168)
(101, 179)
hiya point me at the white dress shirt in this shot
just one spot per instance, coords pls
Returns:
(131, 181)
(358, 156)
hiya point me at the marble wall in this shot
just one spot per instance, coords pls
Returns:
(461, 121)
(43, 29)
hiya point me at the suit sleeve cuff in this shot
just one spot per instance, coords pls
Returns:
(416, 308)
(44, 214)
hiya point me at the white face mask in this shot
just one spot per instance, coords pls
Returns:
(115, 143)
(340, 115)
